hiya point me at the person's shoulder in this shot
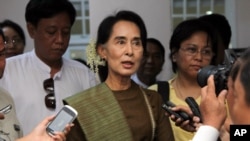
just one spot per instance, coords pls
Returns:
(150, 91)
(153, 96)
(73, 64)
(85, 94)
(153, 87)
(19, 57)
(19, 61)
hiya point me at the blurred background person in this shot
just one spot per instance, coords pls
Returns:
(151, 64)
(14, 38)
(223, 31)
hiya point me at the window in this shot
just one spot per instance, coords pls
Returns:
(80, 31)
(188, 9)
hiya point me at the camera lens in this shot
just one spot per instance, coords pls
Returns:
(204, 73)
(220, 76)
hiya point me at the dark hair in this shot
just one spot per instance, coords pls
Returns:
(16, 27)
(185, 30)
(221, 25)
(39, 9)
(106, 26)
(242, 68)
(158, 44)
(1, 34)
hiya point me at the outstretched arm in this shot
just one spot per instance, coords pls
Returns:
(39, 133)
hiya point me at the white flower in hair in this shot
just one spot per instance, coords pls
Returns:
(93, 59)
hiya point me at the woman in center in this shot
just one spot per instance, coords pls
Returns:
(119, 109)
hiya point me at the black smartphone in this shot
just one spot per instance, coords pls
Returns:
(65, 116)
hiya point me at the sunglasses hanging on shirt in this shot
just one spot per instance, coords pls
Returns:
(49, 99)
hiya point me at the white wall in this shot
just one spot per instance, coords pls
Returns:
(237, 12)
(242, 15)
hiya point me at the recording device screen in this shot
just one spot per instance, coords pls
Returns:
(62, 119)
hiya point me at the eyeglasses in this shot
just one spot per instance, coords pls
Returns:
(207, 53)
(13, 42)
(49, 99)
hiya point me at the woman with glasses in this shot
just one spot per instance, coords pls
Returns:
(192, 47)
(14, 38)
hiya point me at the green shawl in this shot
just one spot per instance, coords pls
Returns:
(100, 115)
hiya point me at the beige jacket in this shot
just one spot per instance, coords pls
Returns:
(10, 128)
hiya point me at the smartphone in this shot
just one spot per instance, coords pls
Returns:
(65, 116)
(6, 109)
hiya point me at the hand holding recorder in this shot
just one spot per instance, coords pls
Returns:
(178, 114)
(182, 115)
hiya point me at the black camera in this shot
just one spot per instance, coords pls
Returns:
(220, 72)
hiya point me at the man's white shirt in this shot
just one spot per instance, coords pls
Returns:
(206, 133)
(24, 76)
